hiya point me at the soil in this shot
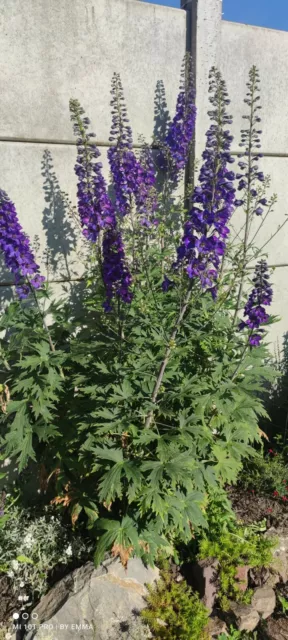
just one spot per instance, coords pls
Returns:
(9, 602)
(251, 508)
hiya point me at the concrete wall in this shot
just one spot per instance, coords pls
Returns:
(241, 46)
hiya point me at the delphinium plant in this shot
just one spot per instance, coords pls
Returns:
(143, 403)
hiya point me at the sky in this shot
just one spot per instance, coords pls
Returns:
(263, 13)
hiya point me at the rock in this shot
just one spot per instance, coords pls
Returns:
(215, 627)
(202, 576)
(264, 601)
(242, 577)
(247, 618)
(272, 580)
(280, 564)
(101, 604)
(277, 629)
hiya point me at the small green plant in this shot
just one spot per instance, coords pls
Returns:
(232, 549)
(219, 513)
(235, 634)
(174, 611)
(266, 475)
(284, 604)
(33, 544)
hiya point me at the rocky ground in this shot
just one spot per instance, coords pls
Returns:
(105, 602)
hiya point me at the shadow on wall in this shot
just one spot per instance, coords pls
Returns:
(63, 251)
(161, 113)
(59, 230)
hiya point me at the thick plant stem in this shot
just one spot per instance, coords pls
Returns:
(168, 353)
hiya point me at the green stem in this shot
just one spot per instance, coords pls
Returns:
(167, 355)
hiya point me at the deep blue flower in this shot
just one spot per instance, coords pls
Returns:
(260, 296)
(181, 128)
(15, 245)
(95, 208)
(133, 178)
(206, 230)
(167, 284)
(116, 276)
(97, 213)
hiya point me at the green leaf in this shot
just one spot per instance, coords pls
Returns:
(104, 544)
(25, 559)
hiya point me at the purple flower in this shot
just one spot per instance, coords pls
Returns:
(181, 129)
(97, 212)
(16, 249)
(260, 296)
(95, 208)
(206, 230)
(255, 340)
(133, 180)
(167, 284)
(116, 276)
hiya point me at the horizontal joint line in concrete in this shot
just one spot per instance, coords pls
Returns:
(265, 154)
(67, 280)
(99, 143)
(59, 281)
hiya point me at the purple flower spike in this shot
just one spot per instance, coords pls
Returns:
(95, 208)
(133, 180)
(181, 129)
(259, 297)
(16, 249)
(116, 276)
(205, 232)
(97, 212)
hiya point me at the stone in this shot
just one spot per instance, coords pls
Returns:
(242, 577)
(272, 580)
(202, 576)
(246, 616)
(264, 601)
(277, 629)
(215, 627)
(280, 553)
(101, 604)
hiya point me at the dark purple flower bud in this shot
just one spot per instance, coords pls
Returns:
(167, 284)
(238, 203)
(116, 276)
(259, 211)
(263, 201)
(260, 296)
(15, 245)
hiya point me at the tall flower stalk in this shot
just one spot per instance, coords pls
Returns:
(133, 179)
(181, 129)
(95, 208)
(251, 179)
(255, 314)
(97, 213)
(16, 248)
(206, 230)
